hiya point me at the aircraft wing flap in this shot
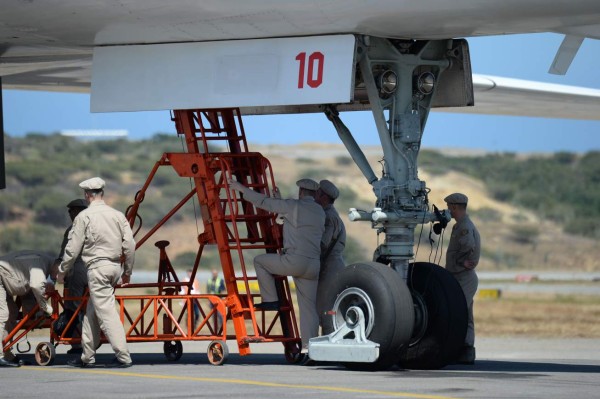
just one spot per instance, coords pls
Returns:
(503, 96)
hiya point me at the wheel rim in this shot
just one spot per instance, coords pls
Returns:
(354, 296)
(421, 317)
(44, 353)
(217, 353)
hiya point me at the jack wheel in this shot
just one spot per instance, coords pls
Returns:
(293, 353)
(173, 350)
(45, 353)
(217, 353)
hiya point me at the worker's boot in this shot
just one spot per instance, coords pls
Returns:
(467, 355)
(8, 363)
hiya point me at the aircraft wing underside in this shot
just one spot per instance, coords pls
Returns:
(49, 46)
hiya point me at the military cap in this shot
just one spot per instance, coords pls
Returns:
(95, 183)
(456, 198)
(329, 188)
(308, 184)
(77, 203)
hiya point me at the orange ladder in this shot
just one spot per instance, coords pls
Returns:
(233, 225)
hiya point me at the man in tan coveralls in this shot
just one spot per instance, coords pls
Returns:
(76, 280)
(22, 272)
(101, 235)
(303, 228)
(462, 257)
(332, 242)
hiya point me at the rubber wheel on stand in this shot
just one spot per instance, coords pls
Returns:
(293, 352)
(441, 323)
(173, 350)
(217, 352)
(385, 300)
(45, 353)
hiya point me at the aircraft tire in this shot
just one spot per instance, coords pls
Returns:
(441, 320)
(386, 303)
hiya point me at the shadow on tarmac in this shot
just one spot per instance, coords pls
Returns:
(481, 368)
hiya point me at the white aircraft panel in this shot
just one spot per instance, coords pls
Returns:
(245, 73)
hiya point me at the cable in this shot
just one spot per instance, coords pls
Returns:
(194, 198)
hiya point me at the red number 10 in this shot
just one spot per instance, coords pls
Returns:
(315, 58)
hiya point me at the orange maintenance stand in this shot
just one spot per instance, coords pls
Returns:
(232, 224)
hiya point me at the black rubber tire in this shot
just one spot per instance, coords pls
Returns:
(173, 350)
(293, 352)
(393, 318)
(446, 308)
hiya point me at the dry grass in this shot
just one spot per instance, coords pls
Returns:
(529, 315)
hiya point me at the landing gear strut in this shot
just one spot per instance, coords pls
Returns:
(402, 80)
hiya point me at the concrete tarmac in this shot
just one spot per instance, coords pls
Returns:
(505, 368)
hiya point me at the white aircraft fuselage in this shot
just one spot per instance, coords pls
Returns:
(48, 45)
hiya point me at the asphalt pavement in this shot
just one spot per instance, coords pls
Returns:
(505, 368)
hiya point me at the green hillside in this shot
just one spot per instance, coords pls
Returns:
(43, 172)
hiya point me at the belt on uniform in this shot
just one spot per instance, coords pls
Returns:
(90, 263)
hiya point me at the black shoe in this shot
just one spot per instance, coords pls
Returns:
(267, 305)
(21, 362)
(116, 363)
(7, 363)
(75, 351)
(79, 363)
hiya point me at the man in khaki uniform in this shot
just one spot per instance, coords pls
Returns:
(332, 242)
(101, 235)
(303, 228)
(462, 257)
(76, 279)
(22, 272)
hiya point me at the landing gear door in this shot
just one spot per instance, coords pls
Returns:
(279, 72)
(455, 86)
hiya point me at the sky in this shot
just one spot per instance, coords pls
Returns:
(514, 56)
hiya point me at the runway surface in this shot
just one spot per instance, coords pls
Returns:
(505, 368)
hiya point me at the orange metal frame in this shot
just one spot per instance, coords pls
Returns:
(233, 225)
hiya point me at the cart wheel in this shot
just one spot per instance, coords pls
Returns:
(293, 354)
(217, 353)
(45, 353)
(173, 350)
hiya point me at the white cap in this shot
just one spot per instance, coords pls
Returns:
(329, 188)
(308, 184)
(95, 183)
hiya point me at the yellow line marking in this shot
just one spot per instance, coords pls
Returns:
(244, 382)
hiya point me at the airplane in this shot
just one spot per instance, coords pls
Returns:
(399, 59)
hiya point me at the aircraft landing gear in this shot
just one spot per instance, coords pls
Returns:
(416, 312)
